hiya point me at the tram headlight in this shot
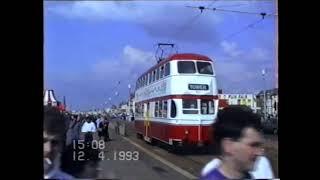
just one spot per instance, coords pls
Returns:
(186, 132)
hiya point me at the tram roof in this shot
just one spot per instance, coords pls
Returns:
(188, 56)
(180, 56)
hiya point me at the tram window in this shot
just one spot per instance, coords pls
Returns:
(146, 83)
(186, 67)
(157, 74)
(204, 68)
(165, 108)
(148, 110)
(173, 113)
(136, 109)
(207, 107)
(142, 110)
(190, 104)
(149, 78)
(161, 72)
(156, 109)
(190, 107)
(142, 81)
(167, 69)
(204, 108)
(160, 108)
(145, 80)
(153, 76)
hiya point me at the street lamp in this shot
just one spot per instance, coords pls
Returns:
(265, 97)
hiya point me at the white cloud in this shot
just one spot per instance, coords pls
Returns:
(231, 48)
(259, 54)
(105, 68)
(134, 56)
(159, 19)
(255, 54)
(132, 62)
(234, 71)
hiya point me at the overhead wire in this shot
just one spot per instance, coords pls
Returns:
(251, 25)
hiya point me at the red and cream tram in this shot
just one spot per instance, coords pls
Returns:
(176, 101)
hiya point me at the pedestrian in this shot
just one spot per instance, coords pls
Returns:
(239, 141)
(98, 121)
(104, 125)
(117, 126)
(262, 168)
(73, 133)
(53, 141)
(88, 130)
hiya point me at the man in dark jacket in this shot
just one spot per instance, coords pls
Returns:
(104, 125)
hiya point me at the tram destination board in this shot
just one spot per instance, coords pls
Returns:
(198, 87)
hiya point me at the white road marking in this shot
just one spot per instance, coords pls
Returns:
(176, 168)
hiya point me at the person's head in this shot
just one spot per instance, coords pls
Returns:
(237, 133)
(88, 118)
(53, 136)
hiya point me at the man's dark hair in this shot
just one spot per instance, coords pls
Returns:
(232, 121)
(53, 121)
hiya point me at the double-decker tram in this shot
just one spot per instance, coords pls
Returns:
(176, 101)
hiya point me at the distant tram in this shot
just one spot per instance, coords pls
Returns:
(176, 101)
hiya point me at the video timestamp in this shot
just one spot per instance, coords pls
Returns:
(85, 151)
(126, 155)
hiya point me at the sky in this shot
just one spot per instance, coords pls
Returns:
(94, 49)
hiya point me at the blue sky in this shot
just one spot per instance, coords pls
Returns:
(89, 46)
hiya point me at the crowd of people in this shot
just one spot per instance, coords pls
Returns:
(237, 138)
(60, 133)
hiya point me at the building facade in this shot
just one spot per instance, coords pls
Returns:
(239, 99)
(272, 101)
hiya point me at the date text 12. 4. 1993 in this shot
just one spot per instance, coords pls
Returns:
(84, 151)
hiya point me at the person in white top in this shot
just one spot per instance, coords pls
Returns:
(88, 130)
(262, 168)
(88, 126)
